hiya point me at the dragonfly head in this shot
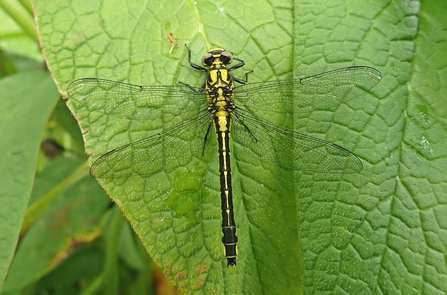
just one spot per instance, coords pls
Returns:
(217, 55)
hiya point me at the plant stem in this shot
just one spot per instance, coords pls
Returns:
(21, 16)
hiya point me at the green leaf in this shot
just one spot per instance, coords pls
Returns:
(19, 48)
(70, 220)
(21, 16)
(379, 231)
(85, 263)
(26, 103)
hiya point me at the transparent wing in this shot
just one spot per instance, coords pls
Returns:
(279, 146)
(169, 149)
(136, 102)
(318, 92)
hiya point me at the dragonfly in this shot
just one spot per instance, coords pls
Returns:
(230, 110)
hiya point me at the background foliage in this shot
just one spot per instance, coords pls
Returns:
(380, 231)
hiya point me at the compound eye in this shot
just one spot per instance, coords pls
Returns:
(226, 57)
(207, 59)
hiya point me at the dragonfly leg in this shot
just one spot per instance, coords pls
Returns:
(243, 124)
(239, 65)
(193, 88)
(197, 67)
(240, 81)
(206, 138)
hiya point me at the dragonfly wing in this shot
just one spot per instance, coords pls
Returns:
(319, 92)
(169, 149)
(279, 146)
(136, 102)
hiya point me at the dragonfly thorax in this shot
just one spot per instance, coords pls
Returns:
(219, 83)
(220, 101)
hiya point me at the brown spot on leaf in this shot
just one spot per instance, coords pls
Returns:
(185, 288)
(200, 283)
(180, 276)
(204, 268)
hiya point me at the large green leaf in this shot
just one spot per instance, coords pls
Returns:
(378, 231)
(26, 102)
(70, 220)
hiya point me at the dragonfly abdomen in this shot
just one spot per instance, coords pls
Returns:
(229, 239)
